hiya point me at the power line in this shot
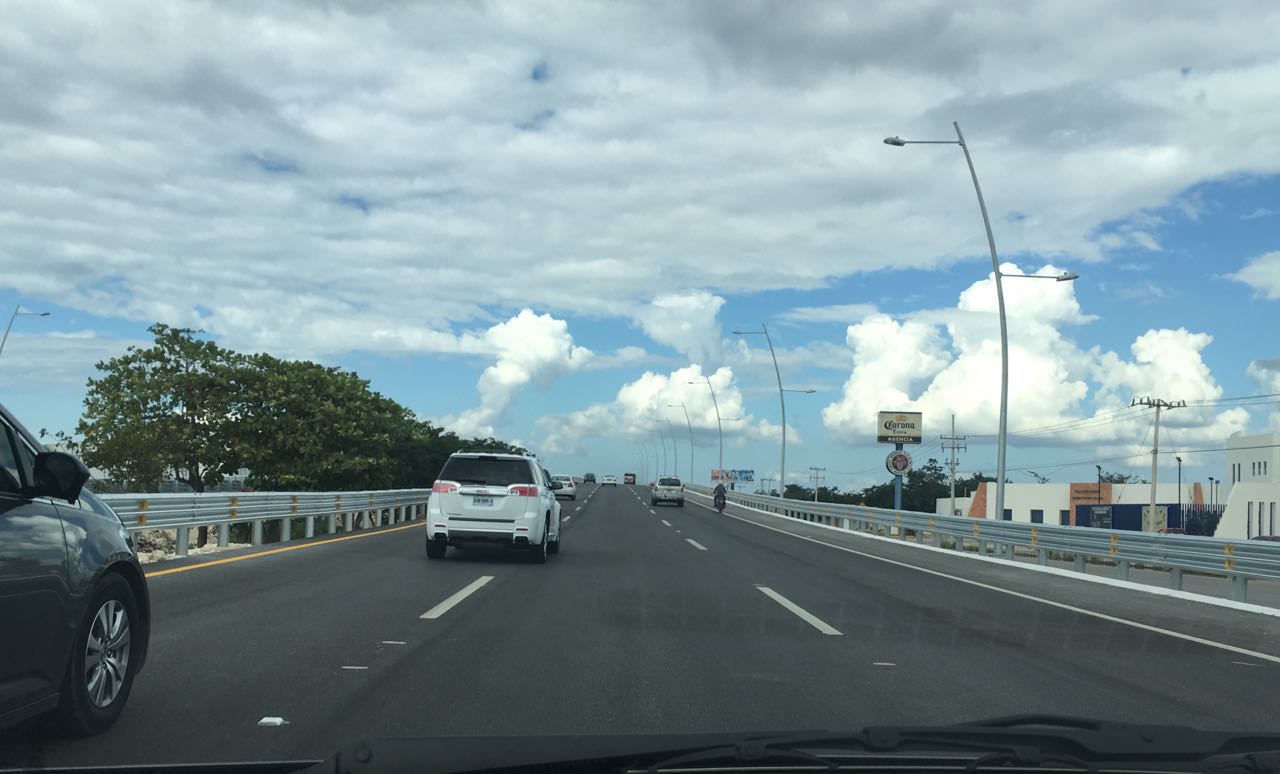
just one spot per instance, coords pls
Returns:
(1081, 423)
(1213, 401)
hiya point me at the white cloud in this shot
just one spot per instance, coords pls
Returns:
(685, 322)
(842, 313)
(913, 365)
(530, 348)
(1262, 274)
(1260, 212)
(295, 175)
(1267, 374)
(641, 408)
(56, 360)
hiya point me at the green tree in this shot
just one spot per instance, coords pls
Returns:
(162, 409)
(920, 490)
(302, 425)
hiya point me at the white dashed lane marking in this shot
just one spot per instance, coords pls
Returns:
(456, 597)
(800, 612)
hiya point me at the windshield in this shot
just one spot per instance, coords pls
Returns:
(938, 343)
(492, 471)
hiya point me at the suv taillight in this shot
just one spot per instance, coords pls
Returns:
(523, 490)
(444, 487)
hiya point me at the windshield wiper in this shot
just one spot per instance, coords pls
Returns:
(1021, 740)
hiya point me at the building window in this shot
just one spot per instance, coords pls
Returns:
(1008, 514)
(1260, 509)
(1248, 521)
(1037, 516)
(1064, 518)
(1272, 531)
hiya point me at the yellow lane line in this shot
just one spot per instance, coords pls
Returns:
(297, 547)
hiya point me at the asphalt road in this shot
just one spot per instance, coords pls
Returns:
(651, 620)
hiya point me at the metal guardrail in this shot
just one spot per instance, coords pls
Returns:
(1239, 561)
(345, 510)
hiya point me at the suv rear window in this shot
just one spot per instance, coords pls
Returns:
(493, 471)
(561, 478)
(668, 482)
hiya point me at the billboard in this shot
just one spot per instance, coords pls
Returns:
(718, 474)
(900, 427)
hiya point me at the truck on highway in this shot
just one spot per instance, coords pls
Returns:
(629, 478)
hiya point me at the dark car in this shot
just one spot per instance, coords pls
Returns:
(589, 478)
(73, 599)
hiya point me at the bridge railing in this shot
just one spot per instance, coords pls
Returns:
(1239, 561)
(337, 510)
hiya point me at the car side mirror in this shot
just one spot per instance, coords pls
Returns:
(556, 485)
(59, 475)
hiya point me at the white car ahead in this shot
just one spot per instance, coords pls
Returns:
(567, 487)
(667, 489)
(609, 481)
(493, 499)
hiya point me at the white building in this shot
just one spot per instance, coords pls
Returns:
(1253, 486)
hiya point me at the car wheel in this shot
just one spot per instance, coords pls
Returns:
(436, 549)
(538, 553)
(652, 503)
(553, 546)
(100, 675)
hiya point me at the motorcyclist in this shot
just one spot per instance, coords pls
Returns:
(719, 495)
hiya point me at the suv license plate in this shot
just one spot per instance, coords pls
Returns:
(487, 501)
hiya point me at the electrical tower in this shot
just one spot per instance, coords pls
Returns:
(954, 447)
(1151, 524)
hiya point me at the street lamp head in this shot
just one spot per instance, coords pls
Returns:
(1068, 276)
(895, 141)
(1179, 459)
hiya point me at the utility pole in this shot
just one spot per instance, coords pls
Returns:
(955, 445)
(819, 477)
(1158, 403)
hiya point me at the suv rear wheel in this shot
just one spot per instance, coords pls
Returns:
(436, 549)
(538, 552)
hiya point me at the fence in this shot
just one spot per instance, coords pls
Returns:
(1237, 560)
(181, 512)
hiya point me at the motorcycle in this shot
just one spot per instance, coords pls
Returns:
(719, 500)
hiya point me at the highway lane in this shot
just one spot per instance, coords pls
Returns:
(652, 619)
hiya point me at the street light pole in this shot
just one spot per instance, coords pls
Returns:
(675, 452)
(663, 442)
(719, 424)
(782, 403)
(690, 426)
(1004, 327)
(17, 310)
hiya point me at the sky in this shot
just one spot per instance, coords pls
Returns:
(544, 221)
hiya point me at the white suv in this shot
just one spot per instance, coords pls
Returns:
(493, 499)
(668, 489)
